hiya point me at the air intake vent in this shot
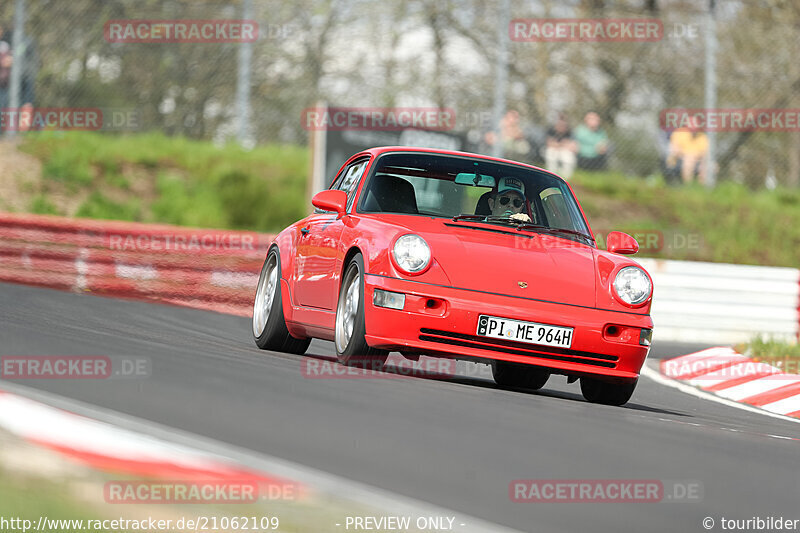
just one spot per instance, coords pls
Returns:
(517, 348)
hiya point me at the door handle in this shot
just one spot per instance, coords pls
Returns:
(304, 231)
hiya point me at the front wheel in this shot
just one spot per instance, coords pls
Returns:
(603, 392)
(519, 375)
(351, 346)
(269, 324)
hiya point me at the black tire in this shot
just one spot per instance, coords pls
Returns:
(352, 349)
(519, 375)
(274, 335)
(603, 392)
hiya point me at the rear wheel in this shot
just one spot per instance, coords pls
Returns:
(351, 346)
(597, 391)
(269, 325)
(519, 375)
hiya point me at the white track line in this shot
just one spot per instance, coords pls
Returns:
(656, 376)
(372, 497)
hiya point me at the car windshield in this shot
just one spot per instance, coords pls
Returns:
(466, 188)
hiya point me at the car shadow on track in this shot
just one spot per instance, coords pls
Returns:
(562, 395)
(322, 366)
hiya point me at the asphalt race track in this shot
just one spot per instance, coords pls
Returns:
(456, 443)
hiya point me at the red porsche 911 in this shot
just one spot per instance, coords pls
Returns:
(457, 255)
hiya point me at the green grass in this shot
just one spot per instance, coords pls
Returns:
(29, 498)
(779, 354)
(98, 206)
(731, 223)
(775, 352)
(41, 205)
(154, 178)
(192, 183)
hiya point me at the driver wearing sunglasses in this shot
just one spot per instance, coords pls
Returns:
(509, 200)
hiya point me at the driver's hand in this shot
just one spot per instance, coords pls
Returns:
(520, 217)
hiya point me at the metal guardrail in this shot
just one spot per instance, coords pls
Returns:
(716, 302)
(207, 269)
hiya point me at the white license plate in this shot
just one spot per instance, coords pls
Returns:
(530, 332)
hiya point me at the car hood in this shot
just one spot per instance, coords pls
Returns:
(529, 264)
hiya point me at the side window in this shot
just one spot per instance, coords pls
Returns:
(352, 176)
(338, 179)
(348, 180)
(555, 208)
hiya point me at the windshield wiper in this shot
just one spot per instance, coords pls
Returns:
(521, 225)
(490, 218)
(485, 218)
(469, 217)
(553, 230)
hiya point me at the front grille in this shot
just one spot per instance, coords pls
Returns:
(517, 348)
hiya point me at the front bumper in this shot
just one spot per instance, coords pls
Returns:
(442, 321)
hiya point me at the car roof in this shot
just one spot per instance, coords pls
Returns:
(412, 149)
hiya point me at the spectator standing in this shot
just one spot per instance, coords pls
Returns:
(11, 54)
(560, 150)
(669, 169)
(592, 143)
(6, 61)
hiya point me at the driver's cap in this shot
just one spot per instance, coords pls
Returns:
(511, 184)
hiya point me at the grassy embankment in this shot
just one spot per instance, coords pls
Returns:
(152, 178)
(773, 352)
(729, 224)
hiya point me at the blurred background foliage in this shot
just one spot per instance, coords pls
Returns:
(179, 164)
(430, 52)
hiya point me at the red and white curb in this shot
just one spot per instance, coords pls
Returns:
(728, 374)
(147, 448)
(105, 447)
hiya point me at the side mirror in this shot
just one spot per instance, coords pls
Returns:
(621, 243)
(331, 200)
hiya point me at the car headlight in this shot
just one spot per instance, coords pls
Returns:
(411, 253)
(632, 285)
